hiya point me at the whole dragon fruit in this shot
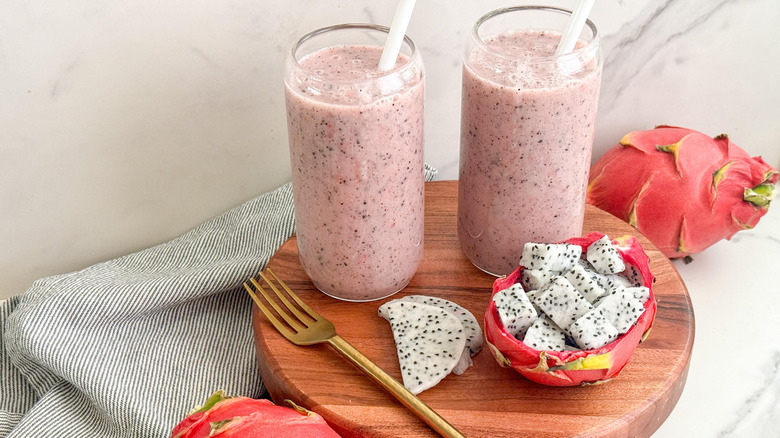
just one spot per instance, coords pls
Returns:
(542, 353)
(682, 189)
(240, 417)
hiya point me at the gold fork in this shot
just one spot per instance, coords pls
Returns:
(304, 326)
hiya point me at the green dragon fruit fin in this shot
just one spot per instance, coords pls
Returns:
(210, 402)
(682, 246)
(632, 217)
(760, 195)
(717, 177)
(674, 149)
(627, 141)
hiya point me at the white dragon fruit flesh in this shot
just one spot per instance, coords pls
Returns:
(593, 330)
(612, 282)
(553, 257)
(604, 257)
(591, 295)
(633, 276)
(574, 341)
(534, 279)
(585, 283)
(429, 341)
(515, 310)
(561, 302)
(472, 331)
(544, 334)
(622, 309)
(641, 293)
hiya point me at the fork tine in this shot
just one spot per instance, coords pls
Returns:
(314, 315)
(295, 324)
(283, 329)
(284, 299)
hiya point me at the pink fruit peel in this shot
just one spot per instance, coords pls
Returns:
(581, 367)
(682, 189)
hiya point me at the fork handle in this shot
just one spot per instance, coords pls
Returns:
(403, 395)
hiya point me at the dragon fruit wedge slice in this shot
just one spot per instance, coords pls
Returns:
(682, 189)
(429, 341)
(471, 329)
(515, 310)
(554, 257)
(590, 363)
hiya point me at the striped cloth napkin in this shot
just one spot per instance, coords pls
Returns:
(127, 347)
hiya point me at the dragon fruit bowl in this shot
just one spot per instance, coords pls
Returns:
(567, 316)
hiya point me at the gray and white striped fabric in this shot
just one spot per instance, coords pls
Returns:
(127, 347)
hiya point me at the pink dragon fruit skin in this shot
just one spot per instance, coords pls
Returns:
(243, 417)
(682, 189)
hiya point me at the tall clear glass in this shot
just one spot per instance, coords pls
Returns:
(527, 126)
(356, 152)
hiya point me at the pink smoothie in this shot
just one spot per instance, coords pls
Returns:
(357, 171)
(526, 138)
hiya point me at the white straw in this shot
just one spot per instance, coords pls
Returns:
(403, 14)
(576, 23)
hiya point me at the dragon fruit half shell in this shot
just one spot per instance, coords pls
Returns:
(240, 417)
(573, 367)
(682, 189)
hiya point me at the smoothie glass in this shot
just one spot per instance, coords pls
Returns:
(527, 125)
(356, 153)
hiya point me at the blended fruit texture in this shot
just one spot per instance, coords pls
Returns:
(526, 139)
(357, 171)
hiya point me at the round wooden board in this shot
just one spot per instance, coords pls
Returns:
(487, 400)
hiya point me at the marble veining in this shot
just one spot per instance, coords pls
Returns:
(649, 36)
(759, 414)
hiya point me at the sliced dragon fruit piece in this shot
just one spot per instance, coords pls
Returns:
(604, 257)
(472, 331)
(531, 294)
(429, 341)
(622, 309)
(612, 283)
(561, 302)
(554, 257)
(633, 276)
(593, 330)
(515, 310)
(535, 279)
(573, 366)
(585, 282)
(641, 293)
(545, 335)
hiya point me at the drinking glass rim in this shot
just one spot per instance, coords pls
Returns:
(412, 58)
(590, 46)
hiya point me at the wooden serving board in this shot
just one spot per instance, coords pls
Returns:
(487, 400)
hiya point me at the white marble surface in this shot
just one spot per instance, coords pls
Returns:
(124, 124)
